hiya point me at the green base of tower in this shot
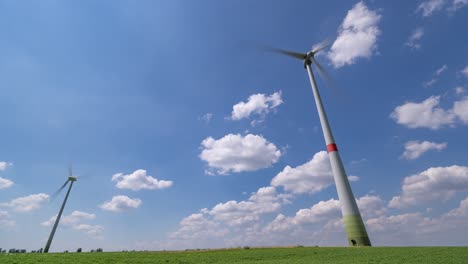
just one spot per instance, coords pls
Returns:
(356, 231)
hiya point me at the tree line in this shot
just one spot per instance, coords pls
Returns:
(41, 250)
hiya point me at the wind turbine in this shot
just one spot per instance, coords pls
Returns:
(355, 229)
(71, 179)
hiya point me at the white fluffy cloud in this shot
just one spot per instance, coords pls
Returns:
(416, 228)
(5, 183)
(326, 211)
(320, 224)
(236, 153)
(228, 221)
(4, 165)
(310, 177)
(457, 4)
(429, 7)
(414, 149)
(91, 230)
(459, 90)
(27, 203)
(234, 213)
(138, 180)
(357, 36)
(437, 183)
(413, 40)
(426, 114)
(465, 71)
(259, 104)
(460, 109)
(74, 220)
(120, 203)
(69, 220)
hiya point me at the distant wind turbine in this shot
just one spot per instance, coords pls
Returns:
(355, 229)
(71, 179)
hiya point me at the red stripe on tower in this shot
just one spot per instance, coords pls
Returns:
(332, 147)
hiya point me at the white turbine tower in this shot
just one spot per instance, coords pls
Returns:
(71, 179)
(355, 229)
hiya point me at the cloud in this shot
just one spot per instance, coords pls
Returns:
(310, 177)
(326, 211)
(216, 226)
(259, 104)
(234, 213)
(5, 183)
(138, 180)
(207, 117)
(426, 114)
(414, 149)
(91, 230)
(353, 178)
(427, 8)
(441, 70)
(436, 183)
(320, 224)
(413, 40)
(4, 165)
(459, 90)
(371, 206)
(27, 203)
(69, 220)
(236, 153)
(460, 109)
(465, 71)
(357, 36)
(457, 4)
(74, 220)
(120, 203)
(436, 75)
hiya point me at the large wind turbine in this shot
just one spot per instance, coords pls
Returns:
(71, 179)
(355, 229)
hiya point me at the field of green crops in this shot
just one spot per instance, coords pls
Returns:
(426, 255)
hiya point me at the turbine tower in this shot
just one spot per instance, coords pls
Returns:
(71, 179)
(355, 229)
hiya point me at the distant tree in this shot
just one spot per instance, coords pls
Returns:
(78, 250)
(12, 250)
(66, 251)
(33, 251)
(99, 250)
(40, 250)
(92, 251)
(23, 251)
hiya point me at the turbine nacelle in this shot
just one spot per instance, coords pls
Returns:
(72, 178)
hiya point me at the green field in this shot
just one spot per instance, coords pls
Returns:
(426, 255)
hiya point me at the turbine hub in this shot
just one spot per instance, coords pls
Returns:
(72, 178)
(308, 58)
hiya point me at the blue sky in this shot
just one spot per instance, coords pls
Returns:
(187, 134)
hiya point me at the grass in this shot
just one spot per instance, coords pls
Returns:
(310, 255)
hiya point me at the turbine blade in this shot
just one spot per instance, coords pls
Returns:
(55, 194)
(70, 172)
(326, 77)
(293, 54)
(322, 45)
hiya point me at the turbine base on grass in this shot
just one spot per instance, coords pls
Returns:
(356, 231)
